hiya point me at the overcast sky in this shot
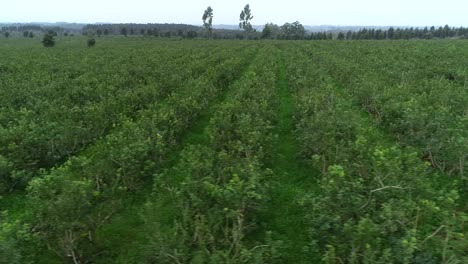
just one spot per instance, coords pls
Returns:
(325, 12)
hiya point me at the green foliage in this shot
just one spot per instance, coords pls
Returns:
(123, 31)
(57, 220)
(341, 36)
(5, 170)
(145, 152)
(9, 248)
(39, 130)
(214, 191)
(267, 32)
(48, 40)
(424, 107)
(208, 20)
(270, 31)
(17, 240)
(120, 163)
(245, 18)
(214, 202)
(192, 34)
(91, 42)
(379, 202)
(293, 31)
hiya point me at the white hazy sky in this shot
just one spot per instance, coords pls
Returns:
(324, 12)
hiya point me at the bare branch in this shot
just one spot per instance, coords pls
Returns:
(386, 187)
(433, 234)
(377, 190)
(174, 258)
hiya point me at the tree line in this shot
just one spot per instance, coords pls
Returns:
(157, 30)
(406, 33)
(288, 31)
(296, 31)
(32, 29)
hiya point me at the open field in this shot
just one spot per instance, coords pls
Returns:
(143, 150)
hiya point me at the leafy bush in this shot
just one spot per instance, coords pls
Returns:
(91, 42)
(48, 40)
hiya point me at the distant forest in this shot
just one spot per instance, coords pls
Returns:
(167, 30)
(406, 33)
(288, 31)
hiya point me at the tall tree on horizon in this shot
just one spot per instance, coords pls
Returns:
(245, 18)
(208, 20)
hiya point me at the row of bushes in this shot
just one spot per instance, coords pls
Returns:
(66, 205)
(45, 123)
(203, 209)
(378, 202)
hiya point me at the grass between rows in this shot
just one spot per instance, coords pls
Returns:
(126, 234)
(283, 214)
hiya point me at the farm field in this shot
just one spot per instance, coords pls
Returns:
(143, 150)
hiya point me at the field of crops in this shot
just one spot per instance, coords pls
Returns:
(144, 150)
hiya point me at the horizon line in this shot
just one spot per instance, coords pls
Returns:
(225, 24)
